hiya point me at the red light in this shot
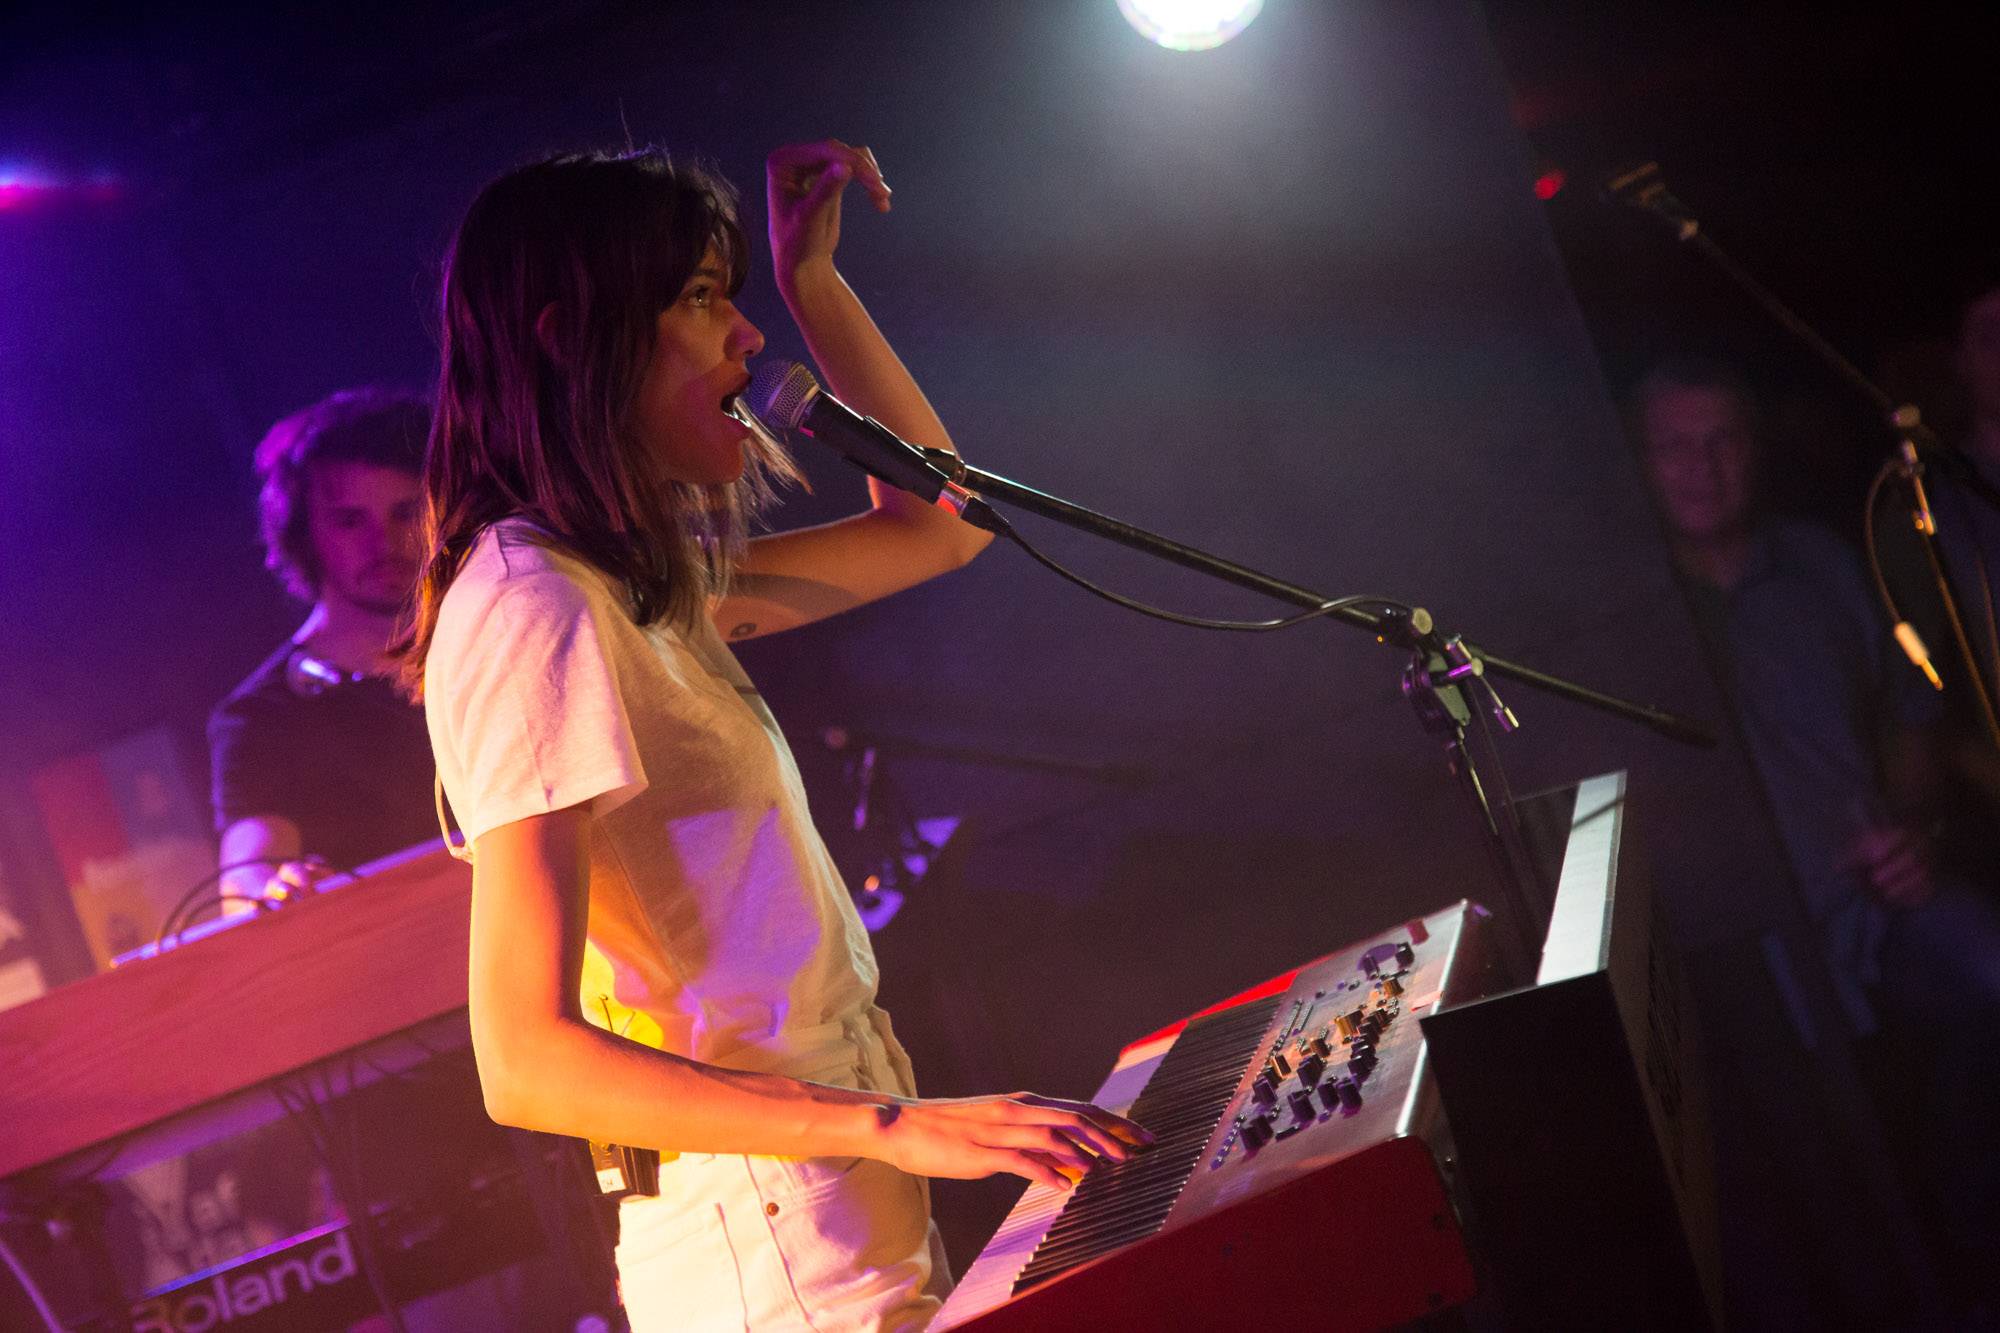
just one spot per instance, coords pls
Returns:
(1549, 184)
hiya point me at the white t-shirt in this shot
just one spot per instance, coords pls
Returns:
(711, 893)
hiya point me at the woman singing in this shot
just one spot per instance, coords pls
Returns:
(587, 489)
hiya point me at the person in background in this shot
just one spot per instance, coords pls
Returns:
(321, 762)
(316, 754)
(1847, 740)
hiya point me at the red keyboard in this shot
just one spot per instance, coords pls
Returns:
(1297, 1172)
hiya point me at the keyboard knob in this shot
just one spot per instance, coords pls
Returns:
(1311, 1068)
(1302, 1106)
(1257, 1132)
(1348, 1093)
(1264, 1090)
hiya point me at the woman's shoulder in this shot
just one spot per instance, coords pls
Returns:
(514, 558)
(517, 572)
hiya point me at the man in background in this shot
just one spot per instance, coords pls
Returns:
(1847, 740)
(315, 754)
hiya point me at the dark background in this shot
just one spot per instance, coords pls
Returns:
(1840, 153)
(1292, 300)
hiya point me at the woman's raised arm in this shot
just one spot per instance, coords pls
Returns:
(795, 577)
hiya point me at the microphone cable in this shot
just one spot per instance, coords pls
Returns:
(181, 917)
(784, 392)
(1906, 634)
(1326, 608)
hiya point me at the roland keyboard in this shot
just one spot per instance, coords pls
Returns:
(1297, 1168)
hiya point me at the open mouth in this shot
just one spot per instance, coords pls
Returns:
(732, 402)
(739, 411)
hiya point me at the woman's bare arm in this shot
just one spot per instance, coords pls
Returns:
(542, 1066)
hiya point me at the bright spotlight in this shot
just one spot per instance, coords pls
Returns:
(1189, 25)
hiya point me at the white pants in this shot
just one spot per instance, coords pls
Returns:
(755, 1243)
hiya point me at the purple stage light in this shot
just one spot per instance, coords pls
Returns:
(23, 187)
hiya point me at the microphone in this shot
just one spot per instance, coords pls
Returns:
(784, 394)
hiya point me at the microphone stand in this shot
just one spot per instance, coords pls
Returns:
(1642, 188)
(1447, 680)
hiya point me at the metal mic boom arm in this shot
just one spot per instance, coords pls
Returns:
(1387, 628)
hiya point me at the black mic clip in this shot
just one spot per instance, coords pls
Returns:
(1444, 672)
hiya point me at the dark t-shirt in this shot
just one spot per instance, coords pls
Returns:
(351, 766)
(1817, 682)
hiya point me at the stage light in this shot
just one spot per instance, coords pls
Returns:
(1189, 25)
(23, 186)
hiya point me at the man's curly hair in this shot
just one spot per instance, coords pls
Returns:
(385, 427)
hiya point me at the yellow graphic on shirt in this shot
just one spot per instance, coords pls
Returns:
(600, 1003)
(599, 993)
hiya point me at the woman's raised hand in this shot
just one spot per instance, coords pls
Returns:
(1043, 1139)
(803, 184)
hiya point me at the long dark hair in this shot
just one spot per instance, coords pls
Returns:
(538, 422)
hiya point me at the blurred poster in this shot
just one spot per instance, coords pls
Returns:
(130, 839)
(21, 976)
(129, 836)
(207, 1207)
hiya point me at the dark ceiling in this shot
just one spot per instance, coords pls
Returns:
(1838, 150)
(1840, 154)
